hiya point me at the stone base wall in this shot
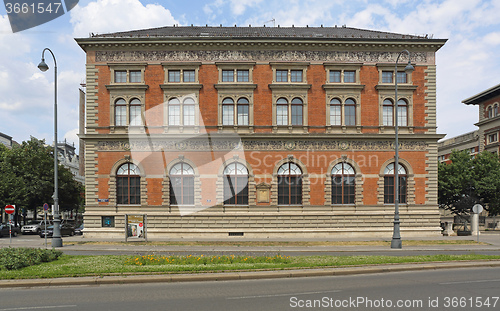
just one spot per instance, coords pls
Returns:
(296, 222)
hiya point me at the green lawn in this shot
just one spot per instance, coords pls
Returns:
(71, 266)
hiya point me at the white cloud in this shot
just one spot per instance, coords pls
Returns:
(103, 16)
(72, 137)
(238, 7)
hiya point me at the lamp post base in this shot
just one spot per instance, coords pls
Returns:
(396, 243)
(57, 242)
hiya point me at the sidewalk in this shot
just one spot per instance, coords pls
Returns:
(84, 244)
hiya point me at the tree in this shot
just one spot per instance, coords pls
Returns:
(469, 180)
(27, 179)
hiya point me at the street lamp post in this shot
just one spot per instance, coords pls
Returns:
(396, 236)
(56, 237)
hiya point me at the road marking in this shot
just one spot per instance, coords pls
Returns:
(467, 282)
(39, 307)
(279, 295)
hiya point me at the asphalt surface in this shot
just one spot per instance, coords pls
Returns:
(450, 289)
(74, 245)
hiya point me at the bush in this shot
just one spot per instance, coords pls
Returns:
(17, 258)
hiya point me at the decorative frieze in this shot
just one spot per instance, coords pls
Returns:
(259, 145)
(255, 56)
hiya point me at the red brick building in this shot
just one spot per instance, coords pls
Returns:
(259, 131)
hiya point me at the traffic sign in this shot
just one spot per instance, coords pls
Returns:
(45, 207)
(10, 209)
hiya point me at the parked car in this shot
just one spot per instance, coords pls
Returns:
(66, 229)
(4, 230)
(34, 227)
(79, 230)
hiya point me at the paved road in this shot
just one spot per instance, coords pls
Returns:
(462, 289)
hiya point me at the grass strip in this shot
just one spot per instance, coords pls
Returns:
(74, 266)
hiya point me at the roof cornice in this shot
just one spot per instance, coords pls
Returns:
(238, 43)
(483, 96)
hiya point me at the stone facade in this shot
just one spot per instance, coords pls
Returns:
(180, 89)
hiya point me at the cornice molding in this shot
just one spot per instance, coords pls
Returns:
(235, 86)
(392, 87)
(127, 86)
(181, 86)
(290, 86)
(356, 87)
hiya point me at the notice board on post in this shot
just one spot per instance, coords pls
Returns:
(136, 227)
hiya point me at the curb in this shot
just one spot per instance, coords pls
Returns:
(246, 275)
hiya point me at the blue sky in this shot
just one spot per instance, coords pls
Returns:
(468, 64)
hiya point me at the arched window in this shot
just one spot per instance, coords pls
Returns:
(236, 184)
(402, 112)
(350, 112)
(389, 187)
(495, 110)
(242, 111)
(297, 111)
(135, 112)
(182, 184)
(388, 113)
(121, 112)
(228, 111)
(128, 184)
(188, 111)
(335, 112)
(282, 111)
(289, 184)
(343, 184)
(174, 112)
(181, 114)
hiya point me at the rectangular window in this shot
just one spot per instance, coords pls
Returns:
(335, 76)
(189, 75)
(335, 115)
(135, 76)
(188, 191)
(387, 116)
(135, 115)
(349, 76)
(492, 138)
(120, 76)
(402, 77)
(243, 75)
(350, 115)
(389, 193)
(289, 190)
(349, 190)
(242, 114)
(174, 115)
(235, 190)
(174, 76)
(281, 75)
(387, 77)
(228, 115)
(282, 114)
(120, 115)
(296, 76)
(296, 114)
(402, 116)
(227, 75)
(188, 114)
